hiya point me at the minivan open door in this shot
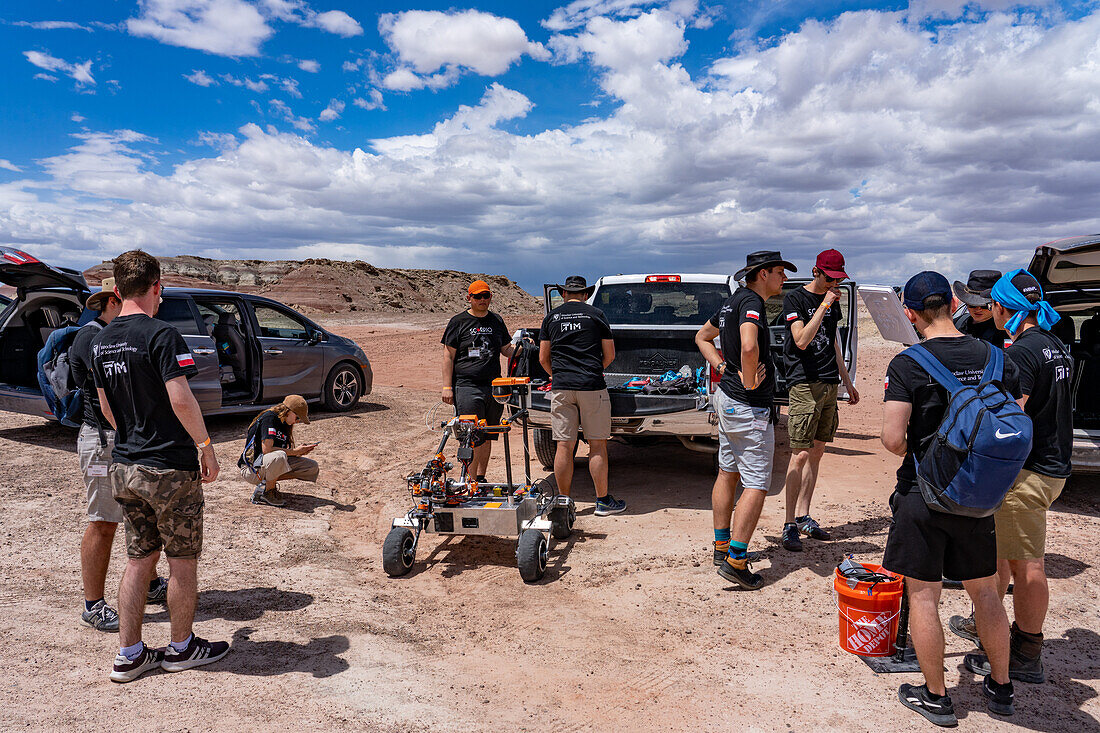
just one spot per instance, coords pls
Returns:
(23, 272)
(1067, 264)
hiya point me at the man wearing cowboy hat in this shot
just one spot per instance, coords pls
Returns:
(978, 319)
(575, 346)
(743, 404)
(104, 513)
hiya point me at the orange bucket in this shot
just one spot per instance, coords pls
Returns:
(868, 613)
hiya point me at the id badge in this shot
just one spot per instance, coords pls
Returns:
(758, 424)
(97, 469)
(474, 353)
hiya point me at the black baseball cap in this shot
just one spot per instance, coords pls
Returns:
(1028, 286)
(923, 285)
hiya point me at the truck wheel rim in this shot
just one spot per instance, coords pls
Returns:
(344, 387)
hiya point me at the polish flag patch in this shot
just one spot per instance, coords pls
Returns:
(886, 383)
(792, 317)
(185, 360)
(755, 315)
(1008, 342)
(271, 431)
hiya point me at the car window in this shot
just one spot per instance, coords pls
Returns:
(661, 303)
(224, 313)
(279, 324)
(176, 312)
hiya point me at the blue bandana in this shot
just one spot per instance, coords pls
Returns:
(1008, 295)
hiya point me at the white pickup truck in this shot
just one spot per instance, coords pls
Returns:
(654, 319)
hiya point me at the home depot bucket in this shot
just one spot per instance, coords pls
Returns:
(868, 613)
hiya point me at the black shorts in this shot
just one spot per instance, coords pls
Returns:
(928, 545)
(479, 401)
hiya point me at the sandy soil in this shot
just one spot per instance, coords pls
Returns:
(630, 630)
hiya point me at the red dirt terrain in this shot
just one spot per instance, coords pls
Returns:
(630, 630)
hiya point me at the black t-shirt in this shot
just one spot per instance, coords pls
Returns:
(817, 362)
(744, 306)
(986, 330)
(80, 362)
(477, 343)
(269, 427)
(1046, 377)
(906, 381)
(132, 358)
(575, 330)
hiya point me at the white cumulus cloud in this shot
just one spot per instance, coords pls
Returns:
(298, 11)
(200, 77)
(81, 73)
(223, 27)
(7, 165)
(309, 65)
(332, 111)
(429, 41)
(372, 101)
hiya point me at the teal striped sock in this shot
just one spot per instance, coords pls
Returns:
(738, 550)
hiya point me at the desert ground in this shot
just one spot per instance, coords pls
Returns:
(631, 629)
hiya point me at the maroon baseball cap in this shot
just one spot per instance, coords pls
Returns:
(831, 263)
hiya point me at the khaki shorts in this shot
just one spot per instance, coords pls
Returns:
(278, 465)
(589, 410)
(95, 461)
(812, 414)
(162, 507)
(1022, 519)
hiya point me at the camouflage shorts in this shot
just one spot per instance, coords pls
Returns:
(161, 507)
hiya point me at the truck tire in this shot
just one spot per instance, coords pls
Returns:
(544, 447)
(343, 388)
(398, 553)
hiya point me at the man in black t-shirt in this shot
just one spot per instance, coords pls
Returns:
(813, 362)
(472, 344)
(925, 545)
(575, 346)
(94, 455)
(1046, 376)
(162, 456)
(978, 319)
(743, 404)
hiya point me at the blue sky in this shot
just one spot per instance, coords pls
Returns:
(529, 139)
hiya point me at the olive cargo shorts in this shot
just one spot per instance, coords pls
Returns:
(161, 507)
(812, 414)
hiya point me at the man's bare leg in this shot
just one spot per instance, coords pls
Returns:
(722, 497)
(563, 465)
(747, 514)
(927, 631)
(809, 479)
(183, 596)
(992, 622)
(597, 466)
(480, 464)
(131, 598)
(95, 557)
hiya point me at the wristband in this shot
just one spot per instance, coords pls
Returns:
(448, 389)
(203, 444)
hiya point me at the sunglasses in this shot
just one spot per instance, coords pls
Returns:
(482, 296)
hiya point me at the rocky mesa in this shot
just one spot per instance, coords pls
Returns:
(335, 286)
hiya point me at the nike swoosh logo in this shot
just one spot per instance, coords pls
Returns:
(1006, 435)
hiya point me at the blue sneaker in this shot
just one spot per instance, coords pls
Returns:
(609, 505)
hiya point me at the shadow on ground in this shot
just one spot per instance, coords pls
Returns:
(318, 657)
(244, 604)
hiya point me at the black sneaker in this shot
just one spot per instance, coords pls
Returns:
(481, 480)
(197, 653)
(738, 571)
(1020, 668)
(609, 505)
(159, 592)
(964, 627)
(999, 698)
(720, 555)
(811, 529)
(791, 540)
(941, 712)
(270, 498)
(128, 670)
(101, 618)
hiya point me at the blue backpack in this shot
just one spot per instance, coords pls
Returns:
(980, 446)
(65, 400)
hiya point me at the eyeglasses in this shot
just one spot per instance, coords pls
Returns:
(482, 296)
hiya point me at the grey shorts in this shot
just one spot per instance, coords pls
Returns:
(95, 463)
(746, 441)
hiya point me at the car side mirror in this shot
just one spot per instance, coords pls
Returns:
(314, 338)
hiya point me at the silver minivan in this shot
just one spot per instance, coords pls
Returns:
(250, 350)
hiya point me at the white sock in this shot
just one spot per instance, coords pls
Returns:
(179, 646)
(131, 652)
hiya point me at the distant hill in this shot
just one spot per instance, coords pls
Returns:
(334, 286)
